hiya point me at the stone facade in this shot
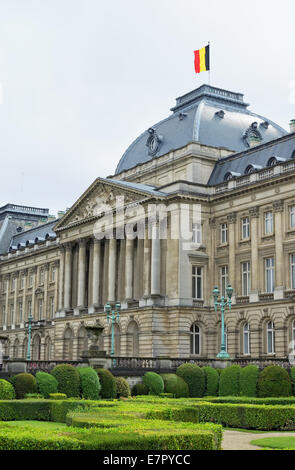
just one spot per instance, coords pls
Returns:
(246, 238)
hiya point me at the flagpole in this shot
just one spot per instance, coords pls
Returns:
(209, 71)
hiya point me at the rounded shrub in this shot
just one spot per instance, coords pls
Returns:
(274, 381)
(175, 386)
(123, 389)
(248, 381)
(292, 376)
(68, 380)
(24, 383)
(229, 382)
(194, 376)
(139, 389)
(211, 381)
(6, 390)
(154, 383)
(89, 381)
(108, 383)
(46, 384)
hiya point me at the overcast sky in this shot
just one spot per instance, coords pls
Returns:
(81, 79)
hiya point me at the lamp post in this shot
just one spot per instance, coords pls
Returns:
(30, 318)
(113, 315)
(223, 354)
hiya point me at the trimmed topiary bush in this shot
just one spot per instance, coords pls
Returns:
(139, 389)
(248, 381)
(274, 381)
(123, 389)
(90, 385)
(57, 396)
(175, 385)
(46, 384)
(154, 382)
(108, 383)
(68, 380)
(24, 383)
(229, 382)
(211, 381)
(194, 376)
(292, 376)
(6, 390)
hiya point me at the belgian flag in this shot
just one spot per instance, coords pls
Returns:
(202, 59)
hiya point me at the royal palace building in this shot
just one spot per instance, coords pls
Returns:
(124, 241)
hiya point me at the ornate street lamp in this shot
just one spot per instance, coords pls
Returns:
(222, 304)
(30, 318)
(113, 315)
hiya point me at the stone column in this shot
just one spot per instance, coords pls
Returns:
(254, 218)
(46, 315)
(278, 207)
(146, 265)
(232, 219)
(68, 277)
(61, 279)
(15, 303)
(156, 262)
(56, 285)
(34, 273)
(112, 270)
(81, 274)
(5, 319)
(129, 270)
(96, 273)
(212, 275)
(25, 274)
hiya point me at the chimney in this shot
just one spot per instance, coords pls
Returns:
(60, 214)
(254, 141)
(292, 126)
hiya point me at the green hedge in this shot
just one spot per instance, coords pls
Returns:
(123, 389)
(175, 385)
(46, 384)
(90, 385)
(24, 383)
(194, 376)
(229, 381)
(68, 380)
(139, 389)
(253, 400)
(248, 381)
(274, 381)
(6, 390)
(21, 410)
(211, 381)
(108, 383)
(154, 382)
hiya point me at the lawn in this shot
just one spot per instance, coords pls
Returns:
(284, 442)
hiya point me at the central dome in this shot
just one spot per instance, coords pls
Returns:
(208, 115)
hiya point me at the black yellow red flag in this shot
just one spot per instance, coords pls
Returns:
(202, 59)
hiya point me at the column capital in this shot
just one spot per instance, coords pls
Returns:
(212, 222)
(254, 212)
(82, 241)
(232, 218)
(278, 206)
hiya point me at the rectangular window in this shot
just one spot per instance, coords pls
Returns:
(197, 282)
(51, 307)
(20, 311)
(29, 307)
(269, 274)
(223, 233)
(245, 228)
(11, 314)
(30, 280)
(292, 217)
(197, 233)
(268, 221)
(13, 283)
(53, 272)
(41, 309)
(293, 271)
(42, 276)
(3, 315)
(22, 282)
(223, 279)
(246, 278)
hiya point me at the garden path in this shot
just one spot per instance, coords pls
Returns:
(236, 440)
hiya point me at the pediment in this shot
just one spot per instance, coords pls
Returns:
(97, 197)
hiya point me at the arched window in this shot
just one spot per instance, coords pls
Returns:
(25, 348)
(117, 340)
(82, 341)
(228, 176)
(195, 335)
(133, 339)
(270, 337)
(246, 339)
(16, 348)
(272, 161)
(48, 349)
(68, 344)
(36, 348)
(250, 169)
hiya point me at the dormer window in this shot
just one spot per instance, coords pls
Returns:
(250, 169)
(228, 176)
(272, 161)
(293, 154)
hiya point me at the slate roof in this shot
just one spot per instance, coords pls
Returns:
(151, 190)
(283, 148)
(37, 232)
(197, 118)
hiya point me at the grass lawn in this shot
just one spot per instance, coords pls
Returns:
(284, 442)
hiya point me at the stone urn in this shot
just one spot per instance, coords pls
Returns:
(93, 333)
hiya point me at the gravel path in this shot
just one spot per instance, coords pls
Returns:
(235, 440)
